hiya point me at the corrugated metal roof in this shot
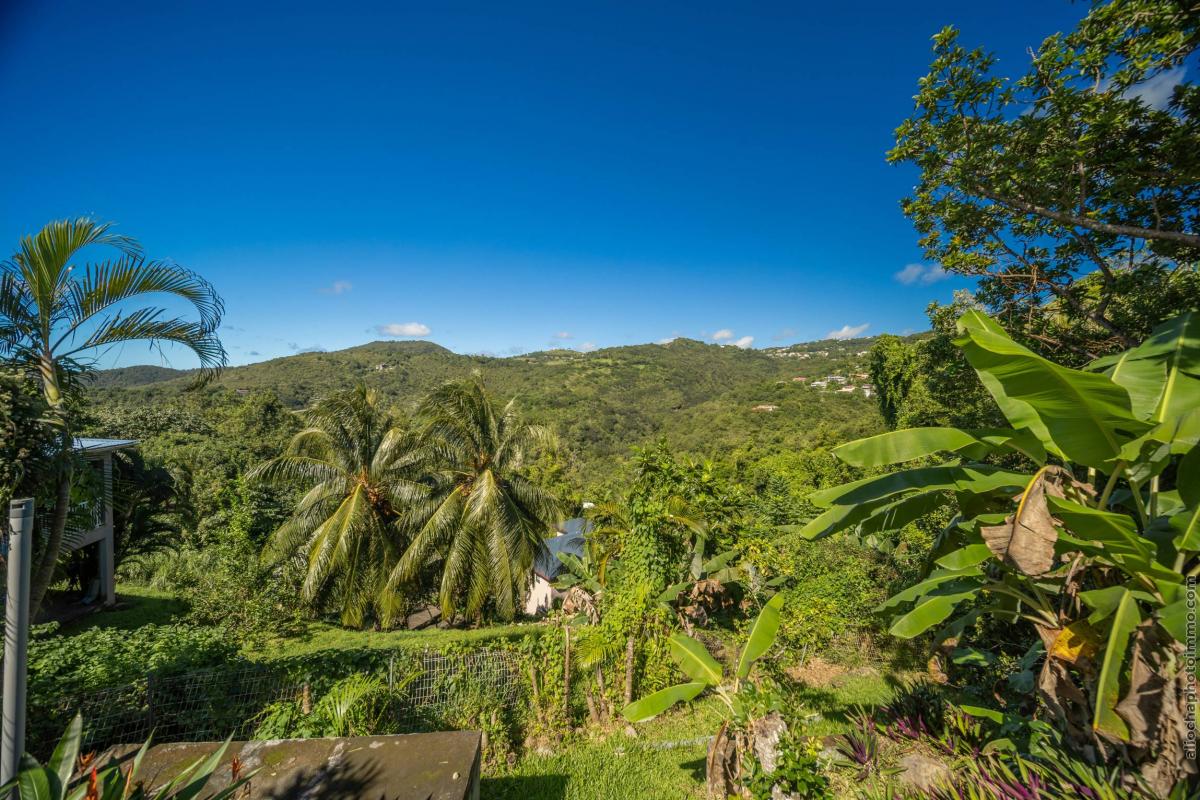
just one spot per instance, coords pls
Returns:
(572, 540)
(88, 445)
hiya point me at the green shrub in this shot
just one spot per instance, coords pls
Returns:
(101, 657)
(797, 771)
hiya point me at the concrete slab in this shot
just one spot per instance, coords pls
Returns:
(419, 766)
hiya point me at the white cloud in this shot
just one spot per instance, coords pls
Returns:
(413, 329)
(563, 335)
(1156, 92)
(337, 287)
(923, 274)
(744, 342)
(587, 347)
(667, 340)
(722, 335)
(848, 331)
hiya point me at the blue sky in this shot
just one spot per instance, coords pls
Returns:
(494, 177)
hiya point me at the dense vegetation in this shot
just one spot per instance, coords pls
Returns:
(1002, 545)
(699, 397)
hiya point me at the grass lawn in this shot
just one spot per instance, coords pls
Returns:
(666, 759)
(138, 606)
(312, 637)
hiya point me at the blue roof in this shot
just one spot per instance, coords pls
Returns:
(571, 540)
(86, 445)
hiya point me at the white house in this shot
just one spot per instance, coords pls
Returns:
(571, 539)
(98, 453)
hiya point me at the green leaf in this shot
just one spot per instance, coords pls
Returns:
(1162, 374)
(672, 592)
(35, 782)
(929, 611)
(1101, 526)
(895, 515)
(62, 760)
(1188, 479)
(1126, 617)
(947, 477)
(1173, 619)
(1083, 417)
(895, 447)
(694, 659)
(972, 656)
(762, 635)
(935, 579)
(970, 556)
(199, 773)
(652, 705)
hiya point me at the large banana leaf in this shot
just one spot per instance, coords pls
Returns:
(652, 705)
(884, 514)
(1126, 616)
(1162, 374)
(964, 576)
(694, 659)
(1188, 521)
(1084, 417)
(762, 635)
(932, 609)
(971, 555)
(895, 447)
(895, 515)
(1112, 530)
(974, 478)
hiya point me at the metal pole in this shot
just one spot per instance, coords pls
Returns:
(16, 636)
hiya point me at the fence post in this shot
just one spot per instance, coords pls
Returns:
(150, 699)
(16, 636)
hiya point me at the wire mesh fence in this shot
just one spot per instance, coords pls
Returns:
(219, 702)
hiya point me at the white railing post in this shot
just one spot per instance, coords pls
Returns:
(16, 636)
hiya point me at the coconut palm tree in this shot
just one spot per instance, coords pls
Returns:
(362, 471)
(484, 520)
(56, 318)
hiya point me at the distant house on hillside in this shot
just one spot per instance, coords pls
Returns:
(820, 384)
(847, 389)
(799, 379)
(868, 390)
(570, 539)
(836, 378)
(765, 408)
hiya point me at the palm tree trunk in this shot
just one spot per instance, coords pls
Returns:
(43, 572)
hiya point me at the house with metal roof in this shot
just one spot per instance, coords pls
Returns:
(98, 532)
(570, 539)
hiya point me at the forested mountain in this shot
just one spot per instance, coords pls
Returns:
(702, 398)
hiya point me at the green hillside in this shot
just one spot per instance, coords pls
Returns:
(702, 398)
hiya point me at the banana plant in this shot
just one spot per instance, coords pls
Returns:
(1093, 544)
(706, 673)
(52, 781)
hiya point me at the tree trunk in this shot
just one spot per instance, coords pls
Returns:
(567, 674)
(629, 652)
(602, 694)
(721, 766)
(42, 574)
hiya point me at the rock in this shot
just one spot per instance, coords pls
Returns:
(765, 734)
(923, 773)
